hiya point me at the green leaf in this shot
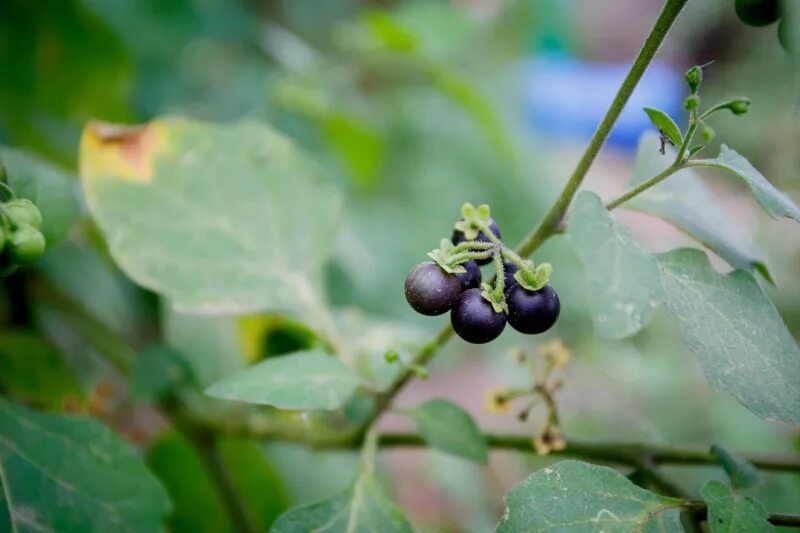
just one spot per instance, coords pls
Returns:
(736, 333)
(157, 371)
(362, 508)
(576, 496)
(685, 201)
(304, 380)
(742, 473)
(665, 125)
(51, 189)
(73, 474)
(32, 370)
(217, 218)
(773, 201)
(622, 277)
(730, 513)
(449, 428)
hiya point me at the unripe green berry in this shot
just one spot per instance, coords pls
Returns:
(694, 76)
(692, 102)
(27, 244)
(23, 212)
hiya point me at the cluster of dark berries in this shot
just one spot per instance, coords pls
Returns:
(21, 241)
(521, 294)
(764, 13)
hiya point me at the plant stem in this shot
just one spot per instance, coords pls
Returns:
(552, 220)
(655, 180)
(611, 452)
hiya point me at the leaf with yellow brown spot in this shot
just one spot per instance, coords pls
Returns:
(217, 218)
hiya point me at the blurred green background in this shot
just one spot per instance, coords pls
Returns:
(413, 107)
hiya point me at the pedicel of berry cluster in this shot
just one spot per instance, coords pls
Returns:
(521, 294)
(21, 242)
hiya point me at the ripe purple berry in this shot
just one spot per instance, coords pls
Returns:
(532, 311)
(430, 290)
(475, 320)
(471, 278)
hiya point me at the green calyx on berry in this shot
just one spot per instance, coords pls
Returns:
(475, 220)
(452, 257)
(691, 103)
(494, 297)
(534, 278)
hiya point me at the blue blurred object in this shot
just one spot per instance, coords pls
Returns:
(565, 98)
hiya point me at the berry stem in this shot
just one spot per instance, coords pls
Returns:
(463, 257)
(471, 246)
(500, 278)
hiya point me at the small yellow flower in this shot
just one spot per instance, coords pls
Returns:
(549, 439)
(555, 353)
(497, 400)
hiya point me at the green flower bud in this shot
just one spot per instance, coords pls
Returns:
(739, 106)
(707, 133)
(23, 212)
(27, 244)
(693, 77)
(692, 102)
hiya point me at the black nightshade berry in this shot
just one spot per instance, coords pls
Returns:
(532, 312)
(475, 320)
(430, 290)
(471, 278)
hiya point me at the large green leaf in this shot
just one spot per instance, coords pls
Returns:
(684, 200)
(362, 508)
(736, 333)
(218, 218)
(304, 380)
(622, 277)
(578, 497)
(773, 201)
(449, 428)
(731, 513)
(51, 189)
(73, 475)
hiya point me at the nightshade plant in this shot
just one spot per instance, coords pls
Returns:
(327, 383)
